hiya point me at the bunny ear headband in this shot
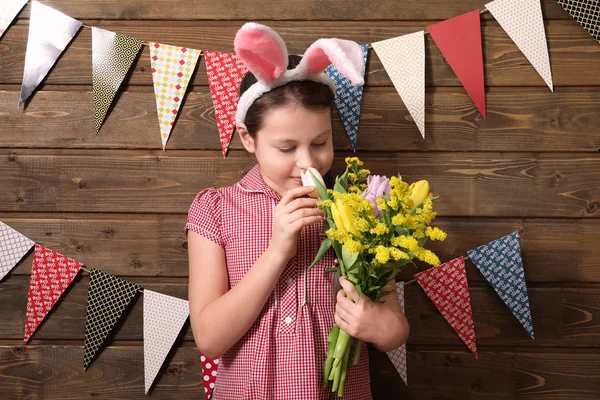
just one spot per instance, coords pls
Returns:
(265, 54)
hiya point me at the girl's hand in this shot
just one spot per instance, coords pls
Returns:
(293, 213)
(378, 323)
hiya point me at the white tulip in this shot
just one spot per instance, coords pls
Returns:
(307, 180)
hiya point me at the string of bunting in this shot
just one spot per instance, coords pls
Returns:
(403, 58)
(499, 261)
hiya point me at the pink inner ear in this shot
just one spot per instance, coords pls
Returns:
(346, 55)
(262, 50)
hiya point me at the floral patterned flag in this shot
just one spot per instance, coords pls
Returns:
(51, 275)
(500, 263)
(225, 73)
(164, 317)
(446, 286)
(13, 247)
(403, 58)
(348, 98)
(9, 9)
(398, 356)
(172, 69)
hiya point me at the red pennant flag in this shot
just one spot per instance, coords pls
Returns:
(225, 73)
(51, 274)
(459, 40)
(209, 370)
(447, 288)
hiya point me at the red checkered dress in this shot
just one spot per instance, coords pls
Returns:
(283, 353)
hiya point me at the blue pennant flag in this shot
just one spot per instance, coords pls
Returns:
(348, 98)
(500, 263)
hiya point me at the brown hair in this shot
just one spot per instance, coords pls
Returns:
(308, 94)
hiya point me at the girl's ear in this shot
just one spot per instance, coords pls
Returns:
(247, 140)
(346, 55)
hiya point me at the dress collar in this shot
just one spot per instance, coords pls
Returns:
(254, 183)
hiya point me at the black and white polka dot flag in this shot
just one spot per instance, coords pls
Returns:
(108, 297)
(586, 12)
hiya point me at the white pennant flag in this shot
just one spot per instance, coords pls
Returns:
(164, 317)
(398, 356)
(523, 22)
(13, 247)
(403, 58)
(50, 32)
(9, 9)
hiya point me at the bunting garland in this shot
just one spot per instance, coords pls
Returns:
(172, 69)
(586, 13)
(51, 274)
(13, 247)
(523, 22)
(9, 9)
(459, 40)
(403, 58)
(500, 263)
(112, 56)
(348, 98)
(50, 32)
(108, 297)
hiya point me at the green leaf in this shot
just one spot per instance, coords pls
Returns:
(344, 179)
(338, 187)
(320, 188)
(325, 245)
(349, 258)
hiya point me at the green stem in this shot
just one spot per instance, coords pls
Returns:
(332, 341)
(344, 372)
(356, 357)
(342, 344)
(336, 378)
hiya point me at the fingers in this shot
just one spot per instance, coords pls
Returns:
(343, 302)
(299, 203)
(349, 289)
(295, 193)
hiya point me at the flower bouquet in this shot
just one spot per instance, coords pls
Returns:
(376, 226)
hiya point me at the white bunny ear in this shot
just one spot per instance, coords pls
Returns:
(346, 55)
(262, 50)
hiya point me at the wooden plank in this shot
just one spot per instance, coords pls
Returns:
(562, 316)
(276, 10)
(42, 372)
(554, 250)
(470, 184)
(574, 54)
(518, 119)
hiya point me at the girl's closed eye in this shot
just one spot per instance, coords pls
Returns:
(287, 149)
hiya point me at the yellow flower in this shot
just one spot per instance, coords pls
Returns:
(419, 191)
(435, 233)
(428, 256)
(347, 216)
(380, 229)
(382, 254)
(337, 218)
(398, 254)
(353, 246)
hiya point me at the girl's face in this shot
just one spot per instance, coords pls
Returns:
(291, 140)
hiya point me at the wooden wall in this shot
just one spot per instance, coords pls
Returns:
(117, 202)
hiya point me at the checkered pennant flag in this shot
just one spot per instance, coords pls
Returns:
(586, 12)
(398, 356)
(13, 247)
(348, 98)
(500, 263)
(108, 297)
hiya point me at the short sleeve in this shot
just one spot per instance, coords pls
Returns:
(204, 216)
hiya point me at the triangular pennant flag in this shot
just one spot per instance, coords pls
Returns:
(172, 69)
(500, 263)
(459, 40)
(348, 98)
(523, 22)
(225, 73)
(50, 32)
(446, 286)
(9, 9)
(51, 274)
(108, 297)
(398, 356)
(112, 56)
(13, 247)
(586, 12)
(403, 58)
(164, 317)
(209, 372)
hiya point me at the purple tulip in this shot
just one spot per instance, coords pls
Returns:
(377, 186)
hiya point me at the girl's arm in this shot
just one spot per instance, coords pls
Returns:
(221, 316)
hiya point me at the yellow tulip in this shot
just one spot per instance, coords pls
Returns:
(419, 192)
(337, 218)
(347, 217)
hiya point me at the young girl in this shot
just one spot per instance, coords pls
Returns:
(253, 302)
